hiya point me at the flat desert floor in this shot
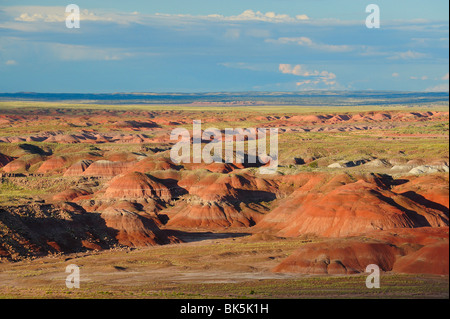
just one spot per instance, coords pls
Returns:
(233, 268)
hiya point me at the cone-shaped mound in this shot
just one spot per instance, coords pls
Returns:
(78, 168)
(133, 230)
(136, 185)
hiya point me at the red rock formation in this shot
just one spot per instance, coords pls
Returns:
(339, 257)
(222, 168)
(78, 168)
(120, 157)
(340, 207)
(419, 250)
(15, 166)
(5, 159)
(52, 164)
(216, 201)
(152, 164)
(136, 185)
(107, 168)
(62, 138)
(70, 194)
(38, 230)
(212, 215)
(427, 189)
(133, 230)
(432, 259)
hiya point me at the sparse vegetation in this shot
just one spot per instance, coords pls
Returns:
(225, 263)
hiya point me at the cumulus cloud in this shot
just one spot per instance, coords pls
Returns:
(56, 14)
(250, 15)
(11, 62)
(395, 75)
(247, 15)
(307, 42)
(317, 77)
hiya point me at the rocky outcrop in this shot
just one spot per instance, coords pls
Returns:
(137, 185)
(220, 201)
(344, 206)
(53, 164)
(420, 250)
(38, 230)
(78, 168)
(5, 159)
(104, 168)
(133, 230)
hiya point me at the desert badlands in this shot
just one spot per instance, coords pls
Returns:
(95, 186)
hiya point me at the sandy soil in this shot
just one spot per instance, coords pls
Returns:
(211, 266)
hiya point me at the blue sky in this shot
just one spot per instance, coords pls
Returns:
(213, 45)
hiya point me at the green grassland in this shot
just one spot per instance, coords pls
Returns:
(85, 108)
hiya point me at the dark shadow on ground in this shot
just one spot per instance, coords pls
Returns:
(196, 236)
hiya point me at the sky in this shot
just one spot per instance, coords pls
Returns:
(223, 46)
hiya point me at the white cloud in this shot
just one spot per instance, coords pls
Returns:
(423, 78)
(395, 75)
(250, 15)
(305, 41)
(57, 14)
(67, 52)
(11, 62)
(247, 15)
(408, 55)
(323, 77)
(445, 77)
(302, 17)
(289, 69)
(438, 88)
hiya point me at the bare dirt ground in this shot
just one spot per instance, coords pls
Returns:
(210, 266)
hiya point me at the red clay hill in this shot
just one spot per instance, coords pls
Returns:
(104, 178)
(413, 251)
